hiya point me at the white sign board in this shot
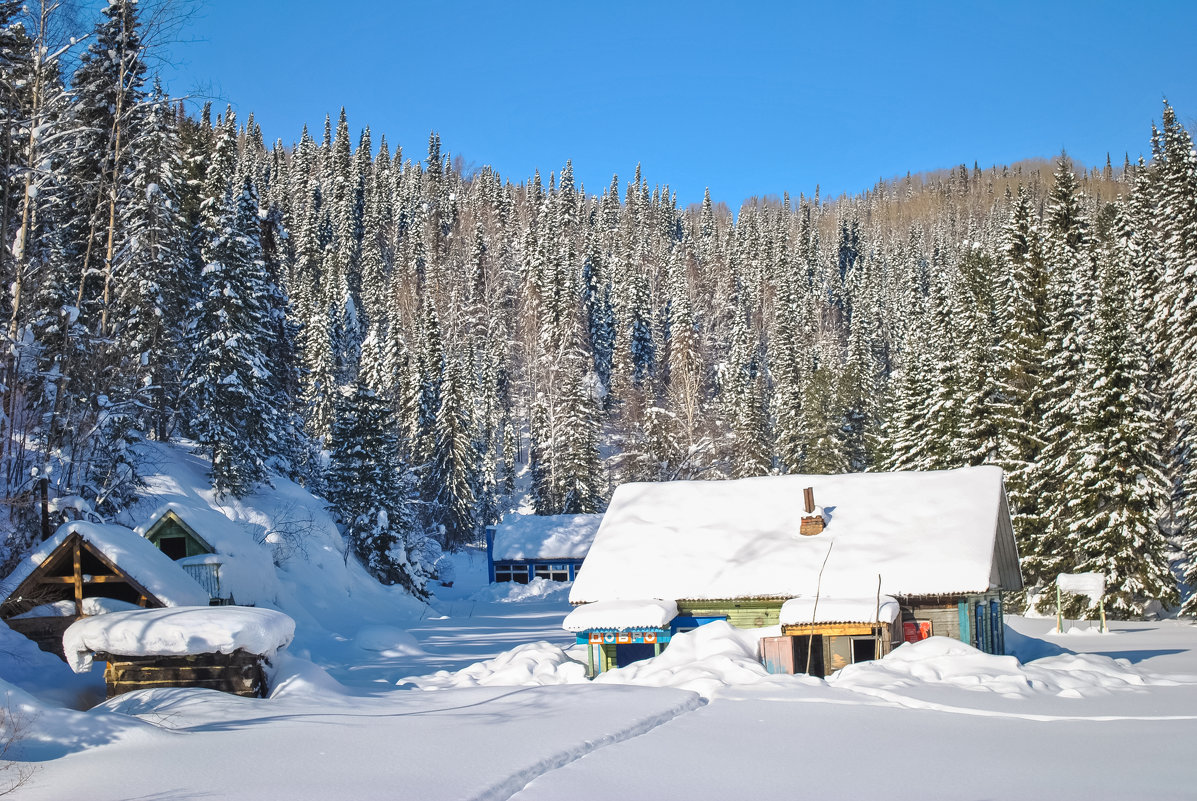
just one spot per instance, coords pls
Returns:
(1092, 585)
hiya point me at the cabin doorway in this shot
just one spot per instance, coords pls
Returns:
(808, 654)
(864, 649)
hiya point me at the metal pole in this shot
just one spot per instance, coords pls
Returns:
(1059, 610)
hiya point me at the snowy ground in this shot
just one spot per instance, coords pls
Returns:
(1083, 716)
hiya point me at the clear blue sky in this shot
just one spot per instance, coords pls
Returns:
(746, 98)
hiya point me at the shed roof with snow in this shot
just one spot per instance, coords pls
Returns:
(933, 533)
(107, 555)
(521, 537)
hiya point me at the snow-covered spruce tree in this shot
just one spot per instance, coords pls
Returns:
(578, 475)
(1172, 184)
(1020, 365)
(373, 492)
(452, 471)
(982, 438)
(1069, 262)
(742, 398)
(73, 166)
(821, 425)
(152, 277)
(788, 364)
(1118, 484)
(235, 417)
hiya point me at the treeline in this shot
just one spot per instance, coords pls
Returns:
(424, 346)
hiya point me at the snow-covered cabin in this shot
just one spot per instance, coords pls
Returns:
(89, 569)
(523, 547)
(219, 554)
(891, 556)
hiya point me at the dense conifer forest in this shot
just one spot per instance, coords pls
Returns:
(423, 344)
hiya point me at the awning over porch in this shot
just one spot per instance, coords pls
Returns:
(651, 613)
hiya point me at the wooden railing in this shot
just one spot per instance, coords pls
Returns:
(208, 577)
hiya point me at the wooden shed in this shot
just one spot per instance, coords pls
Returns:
(552, 547)
(892, 557)
(87, 569)
(223, 648)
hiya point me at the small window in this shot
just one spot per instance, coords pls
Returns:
(174, 547)
(516, 573)
(864, 649)
(553, 571)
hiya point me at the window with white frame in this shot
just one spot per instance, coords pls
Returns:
(509, 572)
(553, 571)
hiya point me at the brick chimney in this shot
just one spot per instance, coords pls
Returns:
(812, 524)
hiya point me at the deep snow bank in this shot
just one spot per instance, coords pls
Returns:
(709, 658)
(718, 656)
(944, 661)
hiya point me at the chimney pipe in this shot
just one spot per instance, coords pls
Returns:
(812, 523)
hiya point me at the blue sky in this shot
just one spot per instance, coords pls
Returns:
(746, 98)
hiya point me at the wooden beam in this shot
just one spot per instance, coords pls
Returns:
(78, 578)
(105, 579)
(830, 629)
(132, 582)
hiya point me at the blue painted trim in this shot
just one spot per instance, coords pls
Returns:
(490, 553)
(962, 613)
(999, 626)
(527, 564)
(662, 636)
(681, 621)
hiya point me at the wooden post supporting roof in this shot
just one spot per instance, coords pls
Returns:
(78, 554)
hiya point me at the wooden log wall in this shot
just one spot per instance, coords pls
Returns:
(240, 673)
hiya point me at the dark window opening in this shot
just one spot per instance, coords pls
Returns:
(808, 654)
(174, 547)
(863, 649)
(516, 573)
(553, 572)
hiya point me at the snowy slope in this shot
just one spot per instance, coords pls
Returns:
(286, 552)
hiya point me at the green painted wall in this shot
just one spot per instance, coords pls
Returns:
(171, 528)
(741, 614)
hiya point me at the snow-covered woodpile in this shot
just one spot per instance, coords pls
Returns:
(219, 648)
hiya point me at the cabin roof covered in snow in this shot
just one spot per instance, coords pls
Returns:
(645, 614)
(924, 533)
(177, 632)
(812, 611)
(129, 551)
(545, 536)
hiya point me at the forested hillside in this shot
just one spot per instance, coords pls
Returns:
(418, 343)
